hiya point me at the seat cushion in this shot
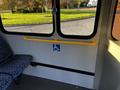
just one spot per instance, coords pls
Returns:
(16, 66)
(5, 80)
(5, 50)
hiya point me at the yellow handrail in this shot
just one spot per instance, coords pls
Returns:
(85, 43)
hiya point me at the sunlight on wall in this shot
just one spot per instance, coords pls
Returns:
(114, 49)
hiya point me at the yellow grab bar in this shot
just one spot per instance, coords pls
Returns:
(85, 43)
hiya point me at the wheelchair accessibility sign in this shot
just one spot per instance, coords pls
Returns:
(56, 47)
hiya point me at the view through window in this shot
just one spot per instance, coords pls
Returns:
(78, 17)
(35, 16)
(31, 16)
(116, 25)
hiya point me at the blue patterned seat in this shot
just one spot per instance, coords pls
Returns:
(12, 69)
(5, 80)
(11, 65)
(16, 66)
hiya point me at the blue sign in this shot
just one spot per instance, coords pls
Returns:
(56, 47)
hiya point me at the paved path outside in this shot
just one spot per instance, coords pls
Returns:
(78, 27)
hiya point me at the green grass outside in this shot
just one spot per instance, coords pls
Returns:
(10, 19)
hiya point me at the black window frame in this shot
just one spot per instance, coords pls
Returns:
(78, 36)
(31, 34)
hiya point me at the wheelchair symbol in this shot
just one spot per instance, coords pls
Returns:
(56, 47)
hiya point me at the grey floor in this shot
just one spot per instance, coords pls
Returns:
(35, 83)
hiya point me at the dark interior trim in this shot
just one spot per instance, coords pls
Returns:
(34, 64)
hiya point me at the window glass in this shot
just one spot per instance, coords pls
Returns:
(27, 16)
(78, 17)
(116, 24)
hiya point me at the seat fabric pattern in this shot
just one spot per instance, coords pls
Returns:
(5, 80)
(14, 68)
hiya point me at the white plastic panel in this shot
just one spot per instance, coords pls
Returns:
(61, 76)
(71, 56)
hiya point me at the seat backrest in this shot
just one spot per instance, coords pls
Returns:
(5, 50)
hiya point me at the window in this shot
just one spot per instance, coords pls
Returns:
(116, 23)
(71, 18)
(79, 18)
(27, 16)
